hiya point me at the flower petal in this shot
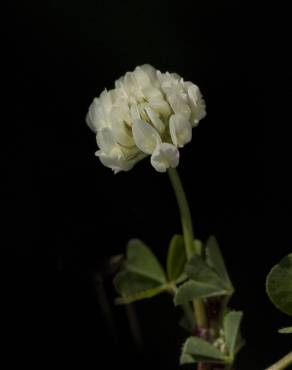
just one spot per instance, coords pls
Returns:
(120, 131)
(160, 106)
(95, 117)
(150, 71)
(164, 156)
(122, 134)
(180, 130)
(141, 77)
(89, 122)
(179, 105)
(196, 102)
(134, 112)
(105, 140)
(116, 163)
(145, 136)
(130, 81)
(152, 92)
(105, 100)
(155, 120)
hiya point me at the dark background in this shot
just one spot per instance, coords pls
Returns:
(65, 214)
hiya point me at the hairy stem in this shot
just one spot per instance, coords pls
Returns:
(187, 226)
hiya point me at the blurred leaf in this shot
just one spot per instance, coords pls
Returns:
(176, 258)
(199, 350)
(186, 359)
(287, 330)
(215, 260)
(198, 246)
(279, 285)
(239, 343)
(184, 323)
(141, 275)
(231, 329)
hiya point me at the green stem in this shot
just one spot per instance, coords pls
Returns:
(283, 363)
(188, 234)
(185, 213)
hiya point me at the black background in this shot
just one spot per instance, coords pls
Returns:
(65, 214)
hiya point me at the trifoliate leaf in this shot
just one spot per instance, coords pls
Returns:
(141, 275)
(204, 282)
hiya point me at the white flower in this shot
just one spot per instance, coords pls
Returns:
(147, 113)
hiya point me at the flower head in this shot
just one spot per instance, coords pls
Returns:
(147, 113)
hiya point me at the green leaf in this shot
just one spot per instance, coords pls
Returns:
(176, 258)
(141, 260)
(215, 260)
(199, 350)
(205, 282)
(279, 285)
(143, 294)
(231, 329)
(186, 359)
(198, 270)
(141, 275)
(287, 330)
(196, 290)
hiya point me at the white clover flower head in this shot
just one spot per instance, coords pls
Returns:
(147, 113)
